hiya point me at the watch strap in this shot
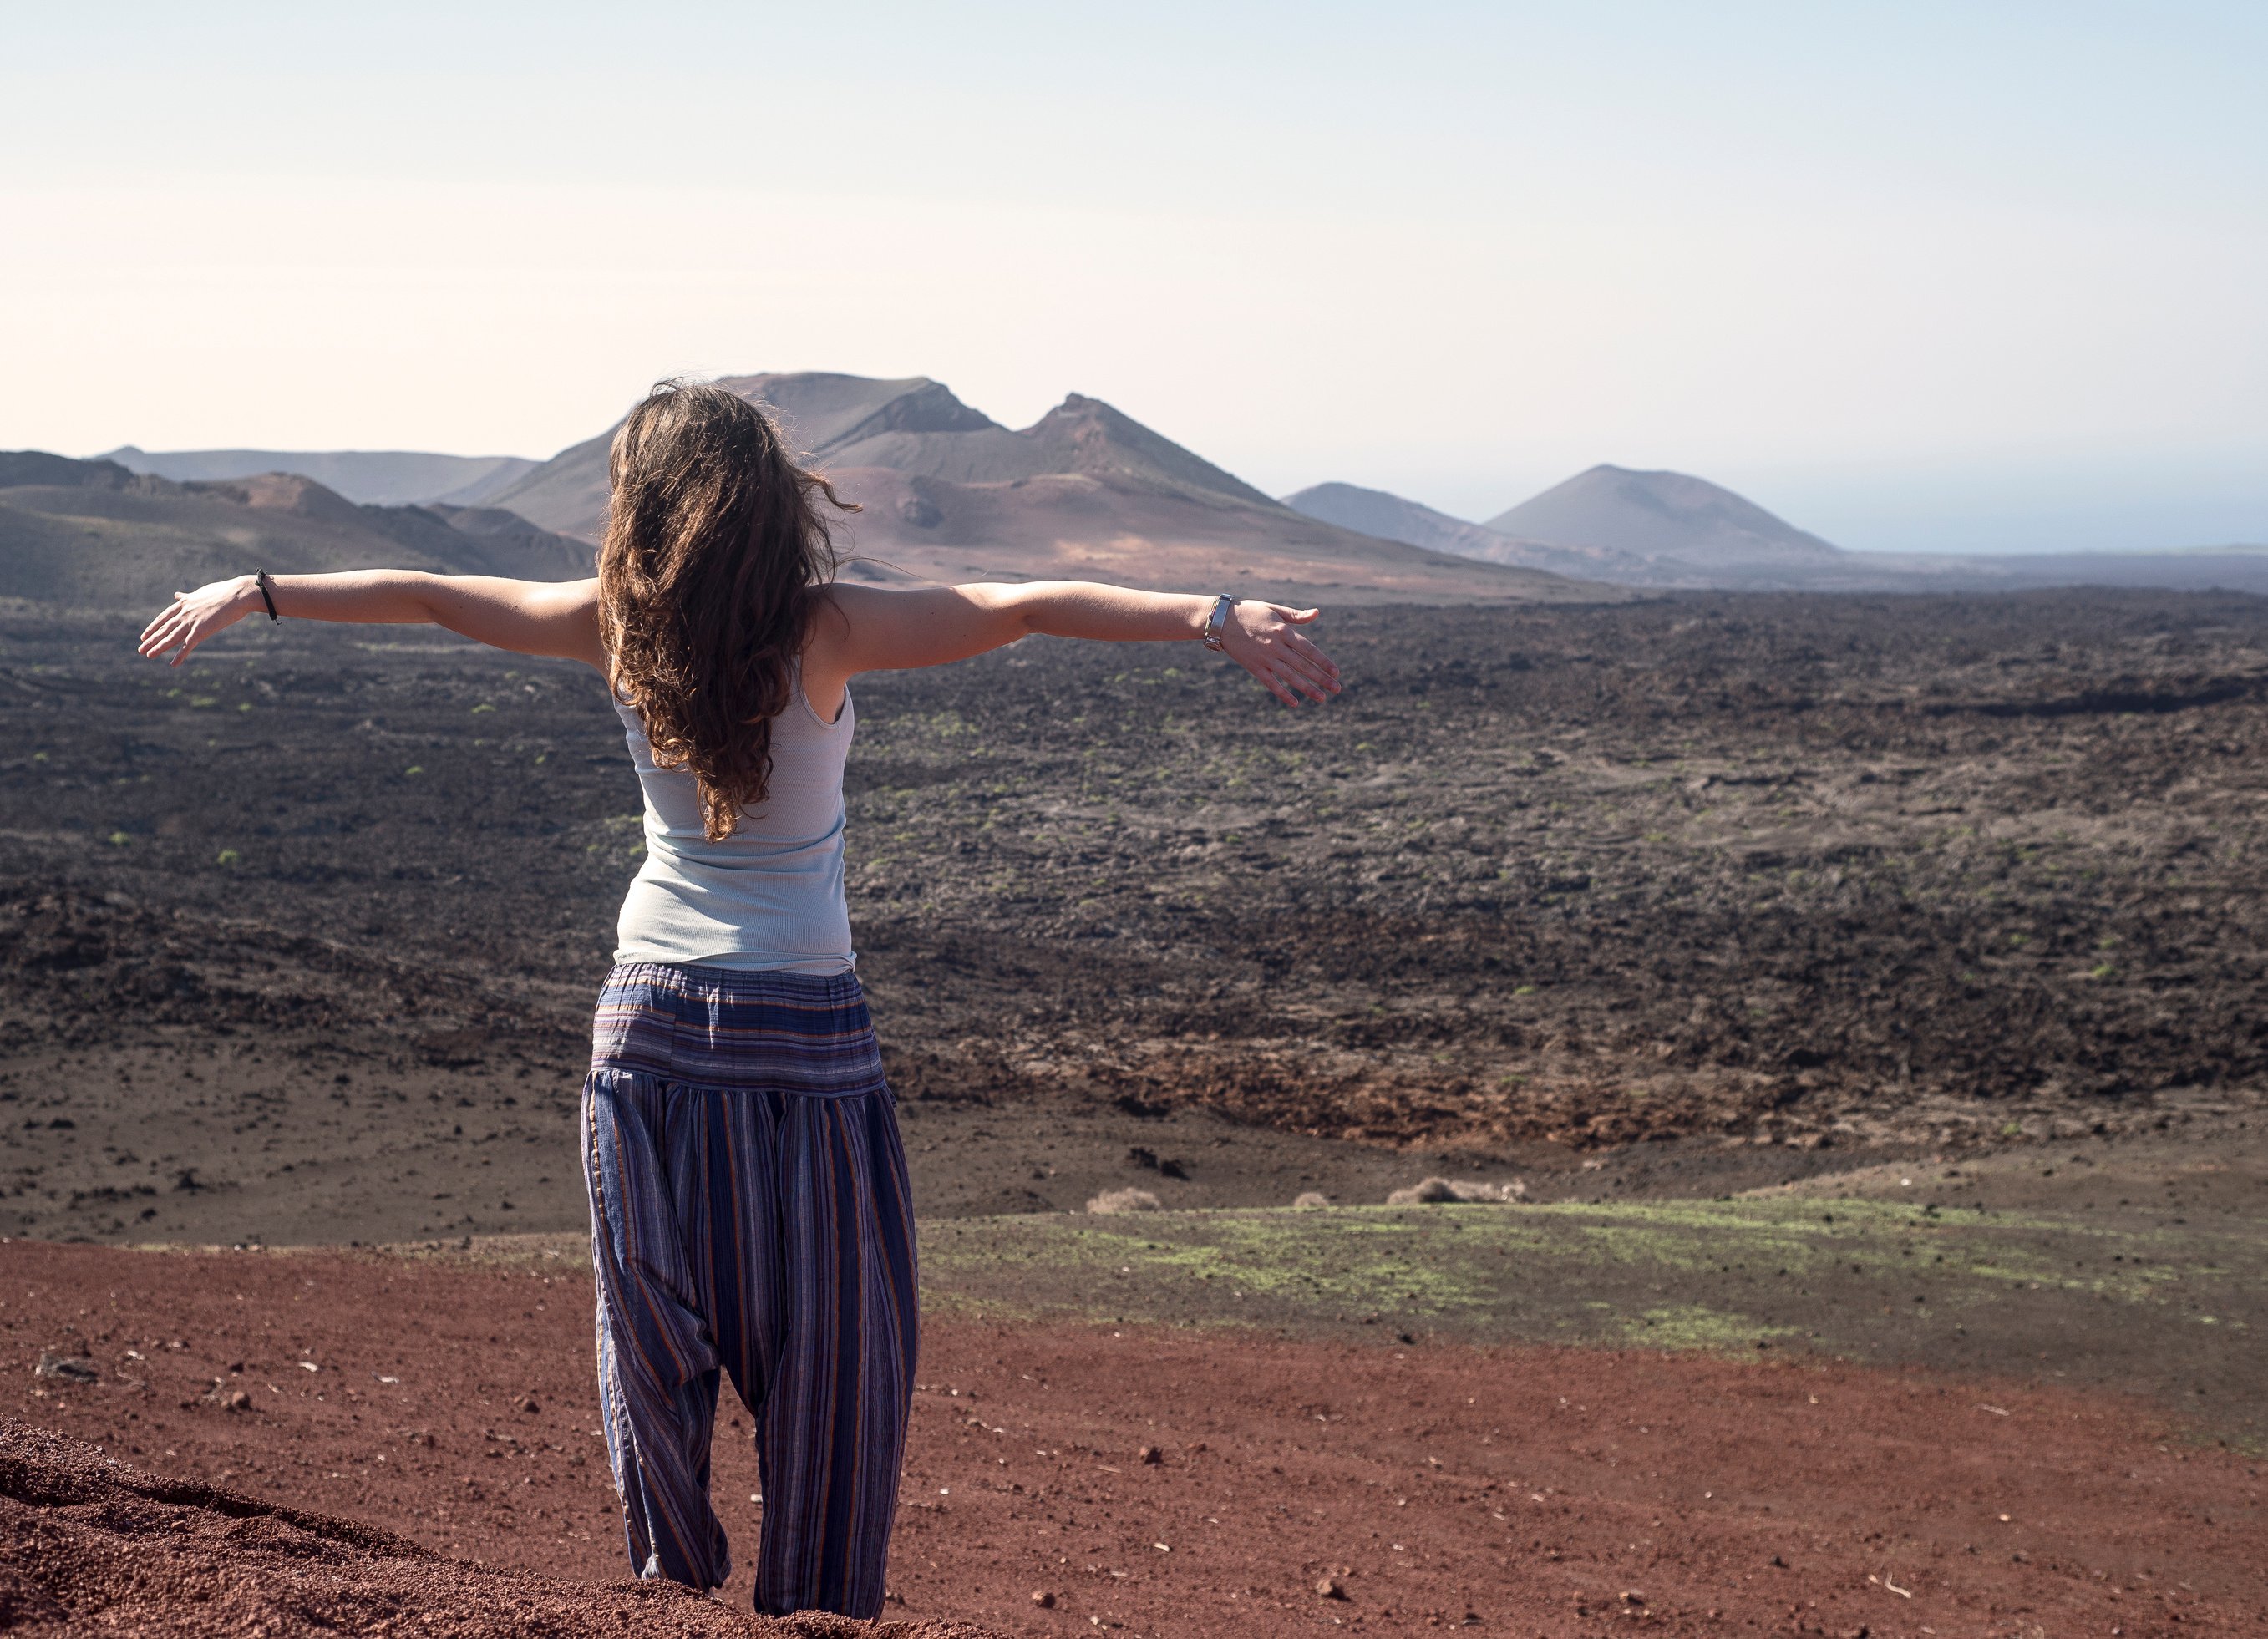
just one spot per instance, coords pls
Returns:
(1216, 630)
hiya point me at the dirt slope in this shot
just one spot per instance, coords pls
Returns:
(91, 1543)
(1538, 1491)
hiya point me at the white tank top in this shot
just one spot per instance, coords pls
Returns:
(771, 895)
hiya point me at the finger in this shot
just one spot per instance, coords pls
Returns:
(1307, 652)
(1268, 682)
(1313, 686)
(1308, 673)
(1299, 617)
(1312, 659)
(1300, 687)
(170, 621)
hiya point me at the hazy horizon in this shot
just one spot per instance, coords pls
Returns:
(1895, 505)
(1923, 281)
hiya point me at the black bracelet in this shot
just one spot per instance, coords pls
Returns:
(261, 581)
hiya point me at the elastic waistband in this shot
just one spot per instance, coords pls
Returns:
(805, 1033)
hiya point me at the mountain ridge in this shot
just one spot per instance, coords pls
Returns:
(94, 534)
(1725, 542)
(1085, 490)
(366, 477)
(913, 425)
(1656, 514)
(1379, 512)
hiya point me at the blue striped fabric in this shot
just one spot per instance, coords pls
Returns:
(730, 1027)
(749, 1212)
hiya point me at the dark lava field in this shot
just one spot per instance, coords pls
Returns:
(324, 907)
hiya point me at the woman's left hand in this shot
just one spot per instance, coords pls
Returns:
(196, 615)
(1262, 639)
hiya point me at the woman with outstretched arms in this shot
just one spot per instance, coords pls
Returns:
(748, 1200)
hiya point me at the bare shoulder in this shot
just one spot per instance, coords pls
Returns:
(847, 620)
(879, 629)
(566, 614)
(848, 602)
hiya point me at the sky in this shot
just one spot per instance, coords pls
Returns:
(1917, 276)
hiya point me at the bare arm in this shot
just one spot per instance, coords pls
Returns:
(872, 629)
(559, 618)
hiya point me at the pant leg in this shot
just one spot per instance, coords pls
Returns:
(658, 1359)
(831, 1432)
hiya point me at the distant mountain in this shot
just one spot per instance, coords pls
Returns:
(1668, 531)
(825, 412)
(1654, 515)
(912, 426)
(1376, 513)
(1390, 517)
(1085, 490)
(94, 534)
(373, 477)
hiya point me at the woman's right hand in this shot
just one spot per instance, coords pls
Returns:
(1259, 637)
(196, 615)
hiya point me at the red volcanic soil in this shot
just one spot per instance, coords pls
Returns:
(92, 1543)
(1162, 1482)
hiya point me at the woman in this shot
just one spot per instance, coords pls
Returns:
(748, 1199)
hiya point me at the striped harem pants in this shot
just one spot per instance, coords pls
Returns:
(749, 1212)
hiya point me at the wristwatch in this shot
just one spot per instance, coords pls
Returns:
(1216, 631)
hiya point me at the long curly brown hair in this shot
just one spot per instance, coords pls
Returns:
(716, 551)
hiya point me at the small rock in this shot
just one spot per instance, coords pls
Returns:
(1125, 1200)
(1311, 1201)
(1151, 1456)
(1330, 1588)
(1425, 1192)
(1631, 1596)
(237, 1400)
(1045, 1600)
(1432, 1191)
(66, 1367)
(528, 1403)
